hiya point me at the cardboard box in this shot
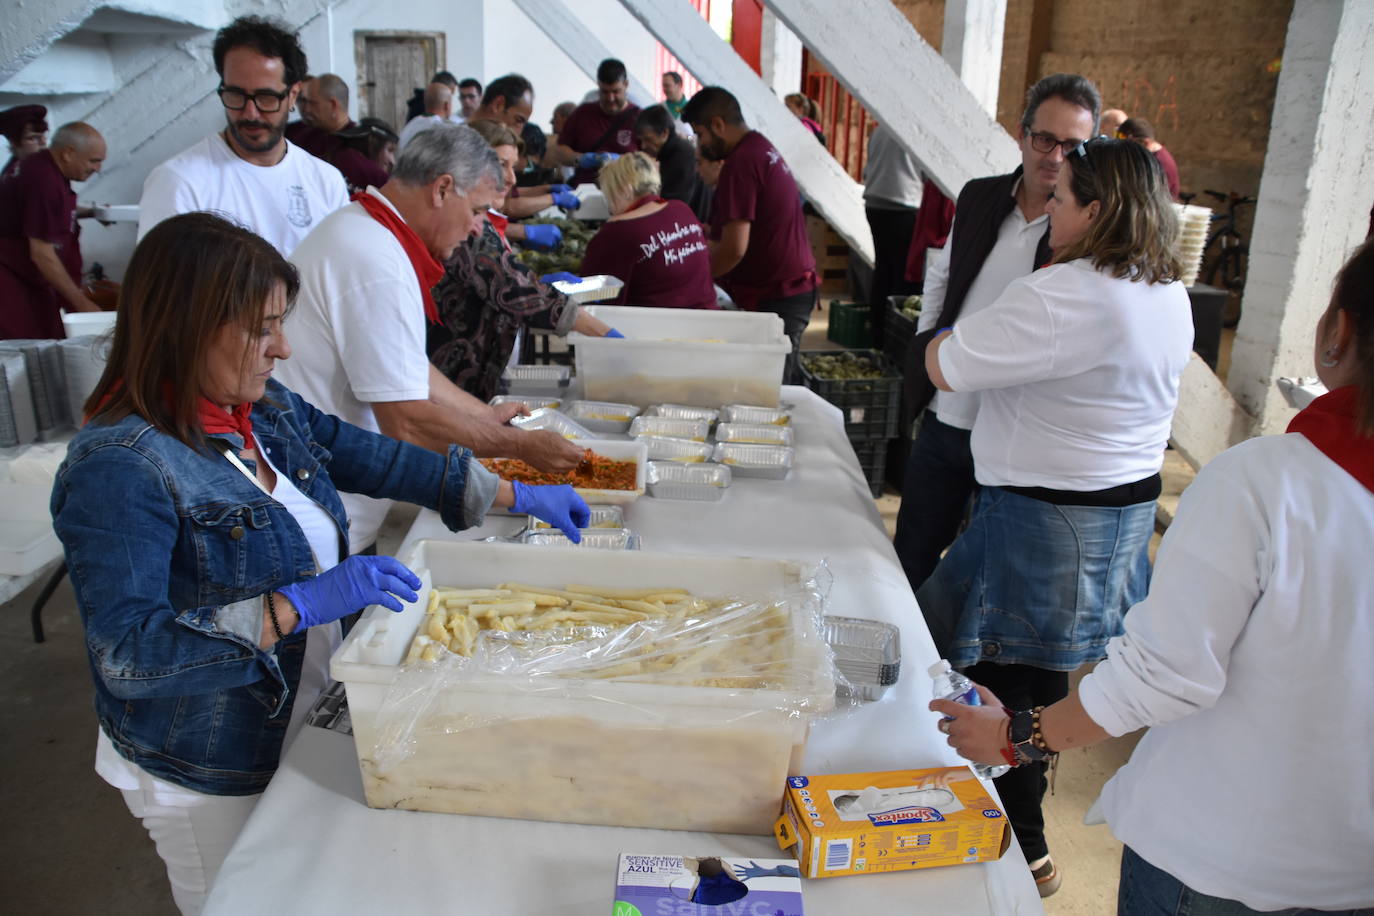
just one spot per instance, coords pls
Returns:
(855, 823)
(706, 886)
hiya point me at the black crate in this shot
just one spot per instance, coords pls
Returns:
(872, 454)
(871, 407)
(897, 331)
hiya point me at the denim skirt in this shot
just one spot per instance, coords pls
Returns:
(1035, 583)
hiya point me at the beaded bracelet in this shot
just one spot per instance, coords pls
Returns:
(272, 615)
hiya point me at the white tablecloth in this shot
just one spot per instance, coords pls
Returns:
(313, 846)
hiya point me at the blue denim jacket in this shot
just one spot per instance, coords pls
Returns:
(170, 551)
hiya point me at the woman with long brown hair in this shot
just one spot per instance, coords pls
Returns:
(1078, 368)
(1252, 663)
(206, 542)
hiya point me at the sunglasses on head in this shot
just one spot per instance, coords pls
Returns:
(1082, 149)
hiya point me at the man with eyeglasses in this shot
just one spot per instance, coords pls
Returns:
(1000, 233)
(248, 170)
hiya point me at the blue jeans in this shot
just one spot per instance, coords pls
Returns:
(1148, 891)
(1035, 583)
(935, 494)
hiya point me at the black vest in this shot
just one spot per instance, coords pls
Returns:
(982, 207)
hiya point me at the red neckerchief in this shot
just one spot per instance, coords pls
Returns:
(499, 222)
(646, 199)
(428, 271)
(1329, 424)
(213, 419)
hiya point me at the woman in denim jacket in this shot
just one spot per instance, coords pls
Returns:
(204, 535)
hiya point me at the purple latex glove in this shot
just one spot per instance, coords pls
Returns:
(561, 276)
(543, 237)
(558, 505)
(566, 199)
(349, 587)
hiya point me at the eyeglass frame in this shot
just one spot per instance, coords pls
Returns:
(253, 97)
(1065, 146)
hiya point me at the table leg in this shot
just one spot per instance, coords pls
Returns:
(36, 616)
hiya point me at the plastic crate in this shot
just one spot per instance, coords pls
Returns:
(871, 407)
(898, 331)
(850, 325)
(872, 455)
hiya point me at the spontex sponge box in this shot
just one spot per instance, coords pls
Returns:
(650, 885)
(856, 823)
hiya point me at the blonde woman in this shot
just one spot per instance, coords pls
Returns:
(1078, 365)
(656, 246)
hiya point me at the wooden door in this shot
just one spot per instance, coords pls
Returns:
(391, 66)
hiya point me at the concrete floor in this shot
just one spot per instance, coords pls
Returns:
(73, 848)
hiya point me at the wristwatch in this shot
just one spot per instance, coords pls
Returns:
(1024, 736)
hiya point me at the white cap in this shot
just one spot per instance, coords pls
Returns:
(939, 668)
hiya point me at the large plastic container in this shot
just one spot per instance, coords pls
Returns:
(589, 751)
(696, 357)
(27, 541)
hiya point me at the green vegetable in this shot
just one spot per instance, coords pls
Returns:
(845, 365)
(911, 306)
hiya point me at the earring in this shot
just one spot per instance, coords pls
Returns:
(1329, 360)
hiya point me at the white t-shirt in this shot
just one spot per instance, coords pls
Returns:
(1078, 373)
(417, 125)
(1011, 257)
(323, 535)
(281, 202)
(1253, 660)
(357, 334)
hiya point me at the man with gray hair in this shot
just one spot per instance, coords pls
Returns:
(358, 328)
(438, 110)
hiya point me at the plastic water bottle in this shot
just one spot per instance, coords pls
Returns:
(951, 685)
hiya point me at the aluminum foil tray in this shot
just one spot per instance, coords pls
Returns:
(695, 430)
(745, 413)
(602, 416)
(867, 653)
(757, 433)
(674, 480)
(548, 418)
(745, 460)
(602, 517)
(596, 288)
(531, 402)
(665, 448)
(599, 538)
(683, 412)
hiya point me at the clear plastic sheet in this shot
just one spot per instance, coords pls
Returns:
(705, 669)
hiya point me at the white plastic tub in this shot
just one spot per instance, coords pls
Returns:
(578, 751)
(82, 324)
(27, 541)
(694, 357)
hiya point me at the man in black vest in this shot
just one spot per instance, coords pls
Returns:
(1000, 233)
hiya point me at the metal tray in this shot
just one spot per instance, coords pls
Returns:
(757, 433)
(666, 448)
(602, 416)
(683, 412)
(745, 413)
(597, 288)
(744, 460)
(867, 652)
(531, 402)
(601, 517)
(599, 538)
(674, 480)
(546, 381)
(548, 418)
(695, 430)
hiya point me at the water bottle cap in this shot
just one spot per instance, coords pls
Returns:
(939, 668)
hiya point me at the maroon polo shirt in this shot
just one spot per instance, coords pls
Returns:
(36, 202)
(589, 130)
(1170, 168)
(757, 186)
(662, 258)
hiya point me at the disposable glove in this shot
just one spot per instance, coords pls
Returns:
(595, 160)
(566, 199)
(559, 188)
(557, 505)
(351, 586)
(561, 276)
(614, 333)
(543, 237)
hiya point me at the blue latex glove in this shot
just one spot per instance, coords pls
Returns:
(351, 586)
(614, 333)
(543, 237)
(557, 505)
(595, 160)
(559, 188)
(561, 276)
(566, 199)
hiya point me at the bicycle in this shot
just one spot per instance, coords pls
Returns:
(1226, 253)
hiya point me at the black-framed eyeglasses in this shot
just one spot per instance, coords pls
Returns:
(264, 100)
(1044, 142)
